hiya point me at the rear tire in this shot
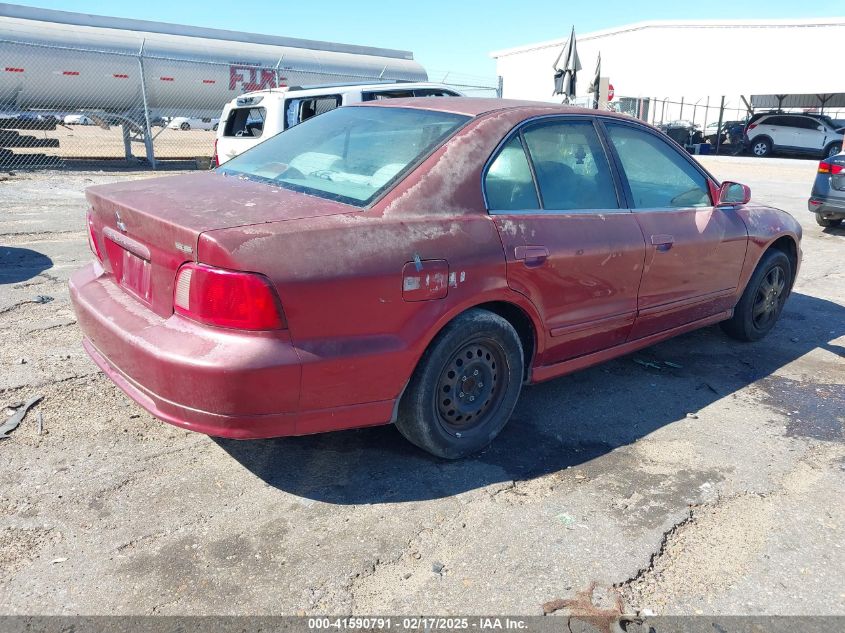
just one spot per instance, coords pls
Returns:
(827, 222)
(761, 147)
(465, 387)
(762, 301)
(185, 126)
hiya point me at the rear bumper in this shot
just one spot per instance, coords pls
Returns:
(827, 207)
(215, 381)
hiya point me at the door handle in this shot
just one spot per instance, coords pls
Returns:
(531, 255)
(662, 241)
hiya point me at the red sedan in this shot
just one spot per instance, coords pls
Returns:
(417, 262)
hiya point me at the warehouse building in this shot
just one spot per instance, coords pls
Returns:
(666, 70)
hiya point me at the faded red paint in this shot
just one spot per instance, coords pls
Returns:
(354, 335)
(251, 78)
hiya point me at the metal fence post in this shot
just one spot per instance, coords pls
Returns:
(719, 129)
(148, 137)
(500, 86)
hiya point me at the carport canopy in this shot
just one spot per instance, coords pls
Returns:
(781, 101)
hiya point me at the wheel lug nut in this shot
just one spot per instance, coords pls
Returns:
(475, 373)
(461, 395)
(463, 378)
(472, 398)
(480, 385)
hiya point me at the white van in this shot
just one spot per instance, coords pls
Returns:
(256, 116)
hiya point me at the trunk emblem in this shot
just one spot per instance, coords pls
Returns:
(120, 223)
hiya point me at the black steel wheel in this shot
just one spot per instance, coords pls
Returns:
(465, 387)
(763, 299)
(471, 385)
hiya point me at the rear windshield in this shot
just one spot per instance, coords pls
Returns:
(247, 122)
(350, 154)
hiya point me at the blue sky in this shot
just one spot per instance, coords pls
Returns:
(445, 35)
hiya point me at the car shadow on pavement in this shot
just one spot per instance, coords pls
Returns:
(20, 264)
(835, 230)
(558, 424)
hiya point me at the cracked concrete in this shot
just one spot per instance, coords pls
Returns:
(712, 485)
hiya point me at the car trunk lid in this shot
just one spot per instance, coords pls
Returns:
(150, 227)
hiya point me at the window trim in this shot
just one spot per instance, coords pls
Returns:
(550, 119)
(629, 196)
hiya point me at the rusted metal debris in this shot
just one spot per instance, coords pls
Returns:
(582, 608)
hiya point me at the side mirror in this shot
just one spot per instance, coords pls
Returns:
(733, 193)
(820, 128)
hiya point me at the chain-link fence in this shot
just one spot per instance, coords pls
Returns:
(63, 105)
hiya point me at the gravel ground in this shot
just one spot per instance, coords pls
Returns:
(712, 485)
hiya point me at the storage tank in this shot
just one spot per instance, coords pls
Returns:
(55, 60)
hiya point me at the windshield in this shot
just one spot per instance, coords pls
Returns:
(350, 154)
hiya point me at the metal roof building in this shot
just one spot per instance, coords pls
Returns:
(696, 60)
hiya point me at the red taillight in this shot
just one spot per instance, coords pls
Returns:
(836, 169)
(824, 167)
(751, 126)
(227, 298)
(92, 238)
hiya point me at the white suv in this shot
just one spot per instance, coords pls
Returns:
(793, 133)
(256, 116)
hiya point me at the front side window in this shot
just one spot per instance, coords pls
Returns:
(248, 122)
(349, 154)
(658, 175)
(571, 167)
(508, 183)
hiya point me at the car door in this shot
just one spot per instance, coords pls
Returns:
(778, 129)
(571, 247)
(810, 134)
(694, 250)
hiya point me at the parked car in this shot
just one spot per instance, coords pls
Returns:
(793, 133)
(827, 200)
(193, 123)
(78, 119)
(682, 132)
(417, 262)
(256, 116)
(711, 129)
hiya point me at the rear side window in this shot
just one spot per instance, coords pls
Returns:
(248, 122)
(508, 183)
(571, 166)
(401, 94)
(806, 123)
(658, 175)
(386, 94)
(299, 110)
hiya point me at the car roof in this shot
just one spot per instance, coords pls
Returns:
(477, 106)
(329, 89)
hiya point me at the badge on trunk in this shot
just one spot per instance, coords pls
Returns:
(120, 223)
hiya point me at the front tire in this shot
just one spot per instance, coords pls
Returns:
(827, 222)
(761, 147)
(832, 150)
(185, 126)
(465, 387)
(762, 302)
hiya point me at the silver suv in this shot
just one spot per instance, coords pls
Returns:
(793, 133)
